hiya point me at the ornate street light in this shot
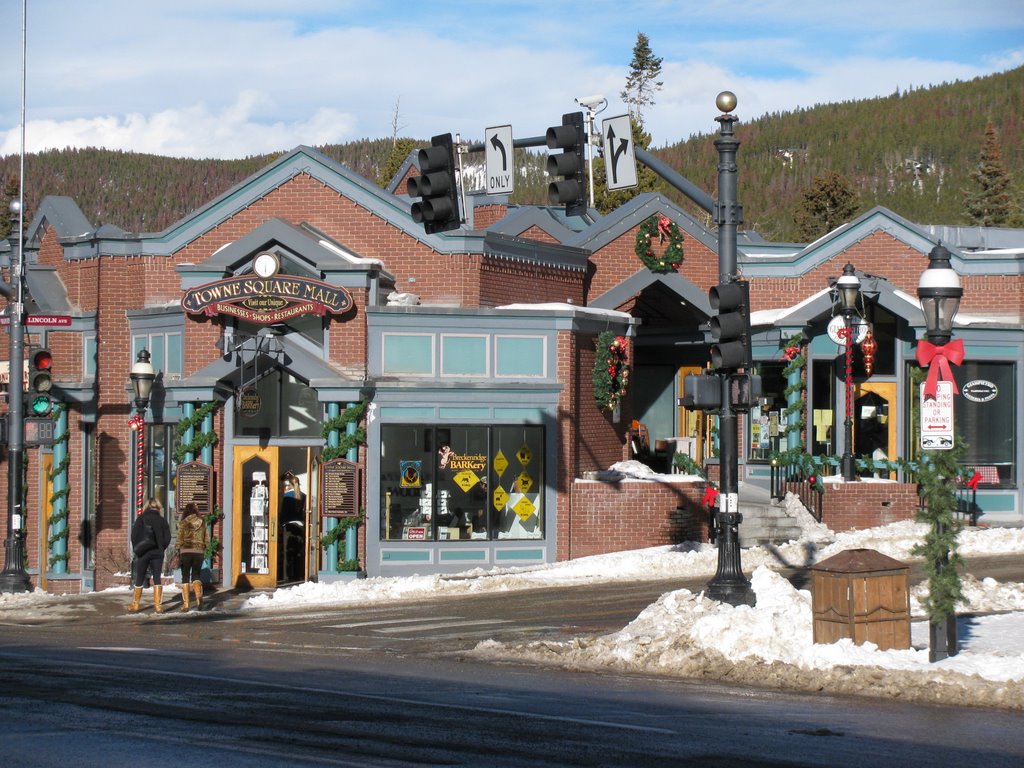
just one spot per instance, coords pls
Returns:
(142, 376)
(939, 291)
(14, 577)
(846, 292)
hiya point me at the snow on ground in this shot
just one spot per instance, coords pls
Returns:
(684, 634)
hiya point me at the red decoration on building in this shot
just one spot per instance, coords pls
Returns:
(869, 346)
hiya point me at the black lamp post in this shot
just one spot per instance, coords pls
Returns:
(142, 376)
(728, 584)
(847, 292)
(14, 577)
(939, 292)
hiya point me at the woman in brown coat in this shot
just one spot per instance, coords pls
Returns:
(192, 541)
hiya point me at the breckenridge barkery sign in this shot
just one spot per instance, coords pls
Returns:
(266, 300)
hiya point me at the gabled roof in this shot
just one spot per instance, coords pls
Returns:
(304, 245)
(72, 225)
(611, 227)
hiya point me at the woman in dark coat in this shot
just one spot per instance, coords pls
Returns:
(150, 537)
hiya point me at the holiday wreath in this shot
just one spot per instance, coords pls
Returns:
(611, 369)
(665, 229)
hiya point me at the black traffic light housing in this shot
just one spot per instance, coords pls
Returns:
(730, 328)
(438, 210)
(40, 383)
(571, 190)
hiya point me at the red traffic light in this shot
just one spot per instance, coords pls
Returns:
(42, 360)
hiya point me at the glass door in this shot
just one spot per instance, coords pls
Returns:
(257, 495)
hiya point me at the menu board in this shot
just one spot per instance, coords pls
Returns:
(339, 488)
(193, 485)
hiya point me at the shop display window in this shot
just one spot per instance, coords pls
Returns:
(766, 427)
(461, 483)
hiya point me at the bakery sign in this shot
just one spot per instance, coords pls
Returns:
(266, 300)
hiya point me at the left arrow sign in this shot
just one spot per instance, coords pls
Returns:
(500, 160)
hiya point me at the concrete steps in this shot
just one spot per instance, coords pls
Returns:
(766, 523)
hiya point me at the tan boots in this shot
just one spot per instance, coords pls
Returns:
(158, 596)
(133, 606)
(197, 590)
(184, 598)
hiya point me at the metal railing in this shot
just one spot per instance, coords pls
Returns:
(791, 479)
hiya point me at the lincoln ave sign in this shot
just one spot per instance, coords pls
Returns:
(266, 301)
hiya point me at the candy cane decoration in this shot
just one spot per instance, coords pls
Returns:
(138, 425)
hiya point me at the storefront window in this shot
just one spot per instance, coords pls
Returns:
(767, 423)
(985, 418)
(823, 398)
(461, 483)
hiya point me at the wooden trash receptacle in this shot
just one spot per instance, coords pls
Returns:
(863, 595)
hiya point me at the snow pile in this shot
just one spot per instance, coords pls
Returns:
(689, 635)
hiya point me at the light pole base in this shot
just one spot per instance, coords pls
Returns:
(14, 578)
(729, 585)
(849, 467)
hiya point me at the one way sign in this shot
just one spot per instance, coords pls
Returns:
(500, 160)
(619, 155)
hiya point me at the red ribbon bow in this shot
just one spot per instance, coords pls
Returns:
(664, 227)
(936, 358)
(710, 496)
(974, 481)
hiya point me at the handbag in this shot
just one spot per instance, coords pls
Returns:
(148, 544)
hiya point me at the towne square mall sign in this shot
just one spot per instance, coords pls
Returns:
(266, 300)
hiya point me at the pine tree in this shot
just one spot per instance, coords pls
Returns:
(642, 83)
(829, 202)
(992, 203)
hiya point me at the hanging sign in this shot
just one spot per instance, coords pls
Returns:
(860, 330)
(266, 300)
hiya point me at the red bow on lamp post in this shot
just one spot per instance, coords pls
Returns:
(936, 358)
(710, 496)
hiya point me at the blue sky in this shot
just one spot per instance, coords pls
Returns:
(231, 78)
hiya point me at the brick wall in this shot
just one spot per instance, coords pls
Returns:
(850, 506)
(613, 517)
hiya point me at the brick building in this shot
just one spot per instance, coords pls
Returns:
(304, 305)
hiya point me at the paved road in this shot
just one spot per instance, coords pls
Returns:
(388, 686)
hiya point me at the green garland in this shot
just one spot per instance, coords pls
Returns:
(213, 546)
(200, 439)
(57, 517)
(340, 423)
(797, 360)
(663, 227)
(942, 563)
(347, 442)
(611, 369)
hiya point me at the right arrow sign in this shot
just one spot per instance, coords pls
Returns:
(619, 156)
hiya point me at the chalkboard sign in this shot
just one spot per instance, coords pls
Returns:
(339, 488)
(193, 486)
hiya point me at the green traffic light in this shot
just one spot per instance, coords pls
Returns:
(40, 405)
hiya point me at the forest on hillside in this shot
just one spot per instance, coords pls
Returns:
(913, 152)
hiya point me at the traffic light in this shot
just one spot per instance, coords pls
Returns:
(570, 190)
(730, 328)
(40, 382)
(438, 211)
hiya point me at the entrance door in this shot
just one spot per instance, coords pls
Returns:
(256, 505)
(692, 434)
(874, 421)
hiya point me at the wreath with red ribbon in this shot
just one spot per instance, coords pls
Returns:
(662, 229)
(611, 369)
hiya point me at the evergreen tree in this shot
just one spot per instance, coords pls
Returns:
(642, 83)
(399, 152)
(606, 200)
(992, 203)
(829, 202)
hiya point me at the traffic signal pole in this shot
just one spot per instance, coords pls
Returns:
(14, 577)
(728, 584)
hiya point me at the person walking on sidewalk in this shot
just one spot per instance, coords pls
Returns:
(192, 541)
(150, 537)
